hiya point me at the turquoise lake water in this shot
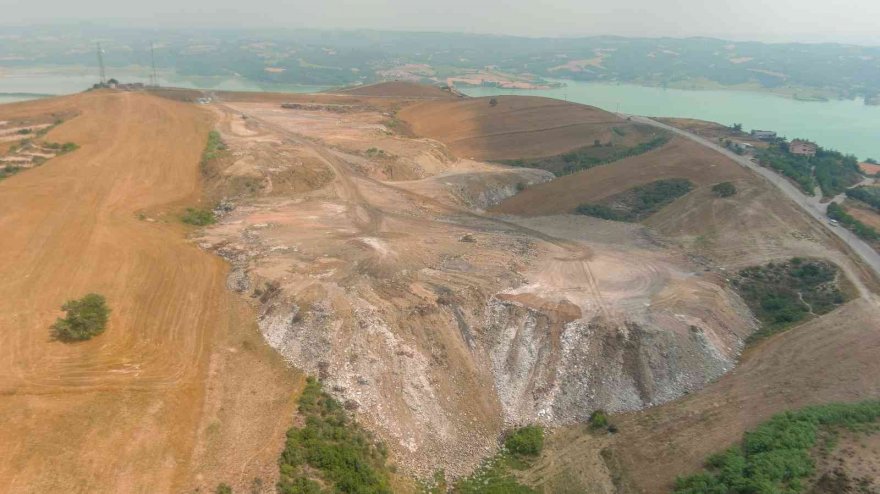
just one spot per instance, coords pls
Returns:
(849, 126)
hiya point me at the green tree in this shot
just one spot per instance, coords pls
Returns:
(86, 317)
(737, 127)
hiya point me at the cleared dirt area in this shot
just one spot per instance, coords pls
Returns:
(517, 127)
(180, 391)
(440, 325)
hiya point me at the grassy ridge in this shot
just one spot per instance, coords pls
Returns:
(775, 457)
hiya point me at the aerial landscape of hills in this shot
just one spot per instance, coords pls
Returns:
(307, 261)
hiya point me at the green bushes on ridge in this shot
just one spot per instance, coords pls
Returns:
(589, 157)
(330, 452)
(639, 202)
(783, 293)
(775, 457)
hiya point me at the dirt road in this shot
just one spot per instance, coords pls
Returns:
(122, 412)
(812, 205)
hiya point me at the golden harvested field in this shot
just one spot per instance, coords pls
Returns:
(146, 406)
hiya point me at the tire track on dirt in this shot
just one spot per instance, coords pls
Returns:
(351, 193)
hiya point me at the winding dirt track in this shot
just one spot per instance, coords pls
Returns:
(118, 413)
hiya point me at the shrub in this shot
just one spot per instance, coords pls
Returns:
(86, 317)
(493, 102)
(724, 189)
(598, 419)
(198, 217)
(223, 489)
(213, 148)
(9, 170)
(526, 441)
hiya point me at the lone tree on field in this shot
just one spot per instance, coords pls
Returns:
(493, 102)
(86, 317)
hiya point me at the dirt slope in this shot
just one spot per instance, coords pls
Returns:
(517, 127)
(679, 158)
(127, 411)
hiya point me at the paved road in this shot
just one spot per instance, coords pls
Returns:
(811, 205)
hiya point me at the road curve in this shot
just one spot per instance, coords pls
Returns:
(812, 205)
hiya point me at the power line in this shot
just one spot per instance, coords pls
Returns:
(102, 73)
(154, 77)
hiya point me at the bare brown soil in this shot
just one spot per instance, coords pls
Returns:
(518, 127)
(180, 391)
(679, 158)
(852, 466)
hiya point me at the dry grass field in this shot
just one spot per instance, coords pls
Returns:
(180, 391)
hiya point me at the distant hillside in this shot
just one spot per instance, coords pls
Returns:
(399, 89)
(340, 58)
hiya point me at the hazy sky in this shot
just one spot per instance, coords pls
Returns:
(854, 21)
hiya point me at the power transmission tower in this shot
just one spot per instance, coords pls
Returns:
(103, 73)
(154, 77)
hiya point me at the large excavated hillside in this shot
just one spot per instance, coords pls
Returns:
(441, 324)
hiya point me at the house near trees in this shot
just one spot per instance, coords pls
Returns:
(800, 147)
